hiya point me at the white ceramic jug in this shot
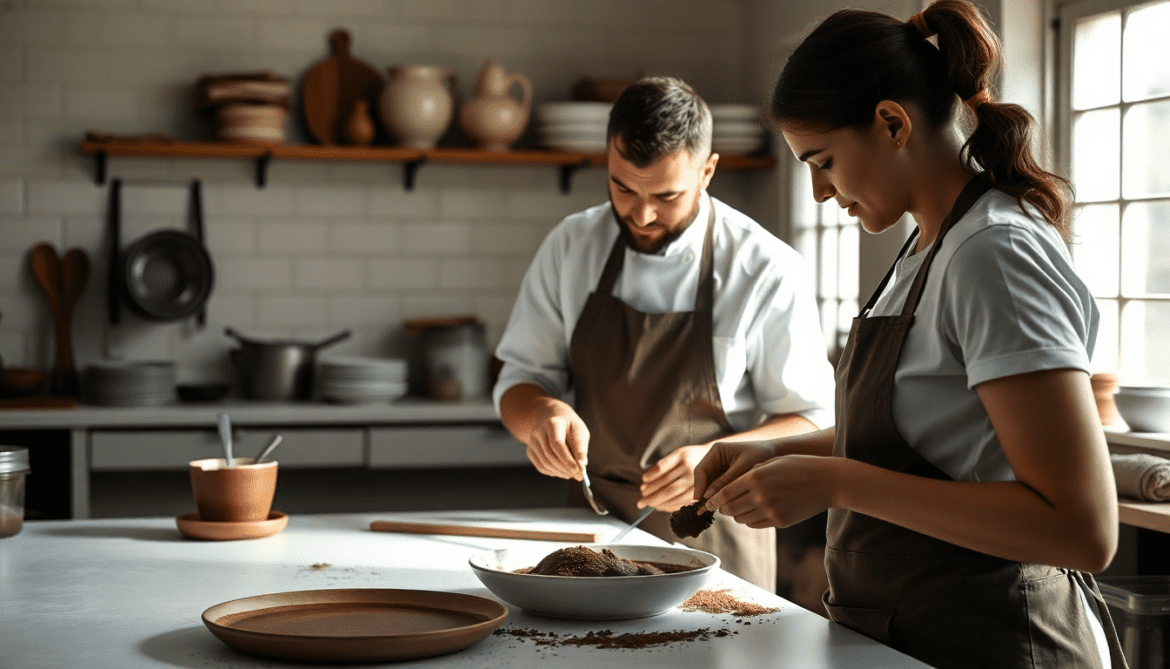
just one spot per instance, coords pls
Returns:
(493, 119)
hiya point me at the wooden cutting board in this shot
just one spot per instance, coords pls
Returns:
(39, 402)
(330, 89)
(475, 531)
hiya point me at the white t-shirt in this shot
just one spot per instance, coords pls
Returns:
(770, 355)
(1001, 298)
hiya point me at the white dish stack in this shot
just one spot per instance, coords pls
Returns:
(736, 129)
(573, 126)
(362, 380)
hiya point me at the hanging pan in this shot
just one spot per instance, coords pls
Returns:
(167, 275)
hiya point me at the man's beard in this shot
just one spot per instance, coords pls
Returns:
(633, 243)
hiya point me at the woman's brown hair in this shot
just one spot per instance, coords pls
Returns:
(855, 59)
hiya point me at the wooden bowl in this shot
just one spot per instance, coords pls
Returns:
(21, 381)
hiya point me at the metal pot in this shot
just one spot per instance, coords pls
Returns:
(455, 357)
(277, 370)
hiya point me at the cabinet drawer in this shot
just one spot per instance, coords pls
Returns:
(445, 446)
(173, 449)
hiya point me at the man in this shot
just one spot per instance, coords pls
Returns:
(700, 327)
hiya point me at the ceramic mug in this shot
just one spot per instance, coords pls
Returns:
(241, 493)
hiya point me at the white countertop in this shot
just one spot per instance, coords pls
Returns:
(406, 410)
(127, 593)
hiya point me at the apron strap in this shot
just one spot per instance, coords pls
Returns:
(974, 189)
(1116, 655)
(705, 295)
(889, 273)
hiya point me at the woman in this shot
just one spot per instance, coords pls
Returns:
(967, 479)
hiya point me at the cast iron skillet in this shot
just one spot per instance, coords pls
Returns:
(166, 275)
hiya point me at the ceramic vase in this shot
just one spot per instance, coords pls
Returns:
(417, 104)
(359, 127)
(493, 119)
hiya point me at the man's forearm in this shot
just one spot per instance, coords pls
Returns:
(519, 406)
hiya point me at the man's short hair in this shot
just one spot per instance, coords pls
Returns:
(660, 116)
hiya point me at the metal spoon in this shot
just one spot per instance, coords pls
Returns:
(585, 485)
(642, 516)
(225, 436)
(268, 449)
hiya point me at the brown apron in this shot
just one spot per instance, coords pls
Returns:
(646, 386)
(943, 604)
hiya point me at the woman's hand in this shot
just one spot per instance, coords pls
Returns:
(778, 492)
(727, 461)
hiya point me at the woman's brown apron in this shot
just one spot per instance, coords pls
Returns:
(945, 605)
(646, 386)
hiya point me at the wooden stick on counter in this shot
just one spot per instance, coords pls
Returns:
(473, 531)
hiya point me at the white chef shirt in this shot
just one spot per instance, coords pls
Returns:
(769, 353)
(1001, 298)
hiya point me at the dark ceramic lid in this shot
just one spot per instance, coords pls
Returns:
(13, 459)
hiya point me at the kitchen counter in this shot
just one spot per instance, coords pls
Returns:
(406, 410)
(129, 593)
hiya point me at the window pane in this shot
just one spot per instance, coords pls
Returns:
(1094, 249)
(1105, 351)
(1096, 68)
(1146, 250)
(828, 262)
(1147, 52)
(1144, 353)
(1147, 144)
(1096, 154)
(850, 263)
(804, 207)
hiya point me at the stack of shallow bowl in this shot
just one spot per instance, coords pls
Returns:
(573, 126)
(736, 129)
(362, 380)
(130, 384)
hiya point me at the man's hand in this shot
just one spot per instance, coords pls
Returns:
(670, 484)
(559, 442)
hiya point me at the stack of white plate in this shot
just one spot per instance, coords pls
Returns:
(573, 126)
(130, 384)
(362, 380)
(736, 129)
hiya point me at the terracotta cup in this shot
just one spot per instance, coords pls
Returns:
(241, 493)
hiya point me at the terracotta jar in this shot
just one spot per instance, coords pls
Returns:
(417, 104)
(493, 119)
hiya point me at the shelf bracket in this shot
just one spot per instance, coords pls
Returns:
(100, 163)
(409, 170)
(262, 169)
(566, 175)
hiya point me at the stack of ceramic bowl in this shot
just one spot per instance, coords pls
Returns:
(130, 384)
(361, 380)
(573, 126)
(736, 129)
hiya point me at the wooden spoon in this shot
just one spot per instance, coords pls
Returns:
(74, 276)
(46, 269)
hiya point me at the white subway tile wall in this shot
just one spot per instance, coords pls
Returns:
(324, 246)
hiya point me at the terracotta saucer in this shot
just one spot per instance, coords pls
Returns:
(190, 525)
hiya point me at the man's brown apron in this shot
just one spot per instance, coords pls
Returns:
(945, 605)
(646, 386)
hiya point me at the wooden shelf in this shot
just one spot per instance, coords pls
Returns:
(1148, 515)
(567, 162)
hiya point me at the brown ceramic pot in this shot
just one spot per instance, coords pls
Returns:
(241, 493)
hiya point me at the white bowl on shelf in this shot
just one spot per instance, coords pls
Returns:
(734, 112)
(1144, 408)
(571, 112)
(736, 128)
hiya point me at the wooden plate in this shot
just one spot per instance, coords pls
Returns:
(354, 625)
(190, 525)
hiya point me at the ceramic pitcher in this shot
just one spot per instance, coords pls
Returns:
(493, 119)
(417, 103)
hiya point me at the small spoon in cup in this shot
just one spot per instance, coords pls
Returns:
(268, 449)
(225, 436)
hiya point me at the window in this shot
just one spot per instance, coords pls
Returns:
(1113, 111)
(828, 239)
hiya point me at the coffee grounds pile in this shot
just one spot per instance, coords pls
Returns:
(720, 601)
(582, 561)
(608, 639)
(689, 521)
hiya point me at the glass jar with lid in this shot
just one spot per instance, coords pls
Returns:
(13, 468)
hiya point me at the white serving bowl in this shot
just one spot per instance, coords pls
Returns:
(1144, 408)
(593, 597)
